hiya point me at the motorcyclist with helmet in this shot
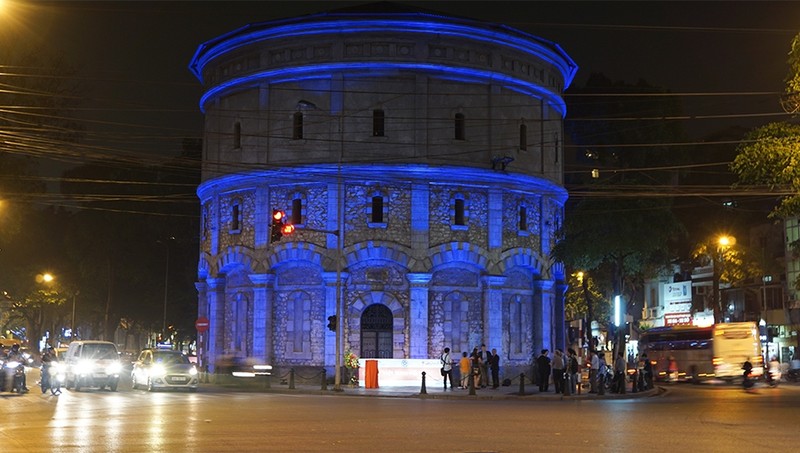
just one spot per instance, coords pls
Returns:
(16, 355)
(48, 360)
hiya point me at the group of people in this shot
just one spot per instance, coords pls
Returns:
(565, 370)
(480, 364)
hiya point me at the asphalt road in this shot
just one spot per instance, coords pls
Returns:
(685, 418)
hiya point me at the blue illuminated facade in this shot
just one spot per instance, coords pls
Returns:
(419, 158)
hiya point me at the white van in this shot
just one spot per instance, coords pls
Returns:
(92, 363)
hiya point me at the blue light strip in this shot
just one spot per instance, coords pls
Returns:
(322, 71)
(527, 43)
(476, 177)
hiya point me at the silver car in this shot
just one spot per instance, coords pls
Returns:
(164, 369)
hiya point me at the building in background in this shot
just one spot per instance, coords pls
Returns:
(419, 158)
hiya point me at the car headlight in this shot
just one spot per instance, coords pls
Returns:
(158, 370)
(114, 368)
(193, 371)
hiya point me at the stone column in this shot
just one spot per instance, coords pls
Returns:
(493, 311)
(542, 315)
(330, 310)
(418, 315)
(263, 294)
(216, 317)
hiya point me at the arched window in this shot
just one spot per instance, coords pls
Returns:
(377, 209)
(458, 215)
(378, 123)
(459, 127)
(237, 135)
(297, 211)
(523, 218)
(555, 147)
(297, 126)
(523, 137)
(236, 216)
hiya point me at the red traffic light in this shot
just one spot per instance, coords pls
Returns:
(287, 229)
(278, 215)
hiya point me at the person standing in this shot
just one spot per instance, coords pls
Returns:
(543, 365)
(594, 365)
(463, 367)
(476, 367)
(574, 372)
(620, 366)
(602, 371)
(494, 366)
(648, 372)
(558, 371)
(447, 368)
(484, 366)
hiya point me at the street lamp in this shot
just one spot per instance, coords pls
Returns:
(166, 284)
(724, 242)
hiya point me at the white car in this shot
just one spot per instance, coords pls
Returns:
(92, 363)
(164, 369)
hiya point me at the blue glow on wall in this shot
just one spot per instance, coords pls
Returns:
(377, 69)
(509, 37)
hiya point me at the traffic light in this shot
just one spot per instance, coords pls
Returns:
(332, 323)
(279, 227)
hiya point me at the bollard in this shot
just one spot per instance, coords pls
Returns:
(635, 382)
(522, 383)
(423, 391)
(324, 380)
(291, 378)
(601, 383)
(567, 384)
(471, 381)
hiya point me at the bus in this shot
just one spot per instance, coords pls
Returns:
(702, 353)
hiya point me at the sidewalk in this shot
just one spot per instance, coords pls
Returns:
(502, 393)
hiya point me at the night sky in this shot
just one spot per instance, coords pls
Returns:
(133, 56)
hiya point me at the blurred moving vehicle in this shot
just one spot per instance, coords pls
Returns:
(157, 369)
(92, 363)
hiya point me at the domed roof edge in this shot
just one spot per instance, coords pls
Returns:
(373, 9)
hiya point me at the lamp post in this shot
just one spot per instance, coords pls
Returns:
(73, 330)
(723, 243)
(166, 284)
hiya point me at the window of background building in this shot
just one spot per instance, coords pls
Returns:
(378, 122)
(297, 126)
(523, 218)
(523, 137)
(459, 126)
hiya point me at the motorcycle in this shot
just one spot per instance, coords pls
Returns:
(53, 377)
(14, 376)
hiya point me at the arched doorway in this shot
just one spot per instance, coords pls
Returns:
(376, 332)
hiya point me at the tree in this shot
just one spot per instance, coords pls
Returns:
(731, 264)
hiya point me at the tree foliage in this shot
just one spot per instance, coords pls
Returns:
(770, 156)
